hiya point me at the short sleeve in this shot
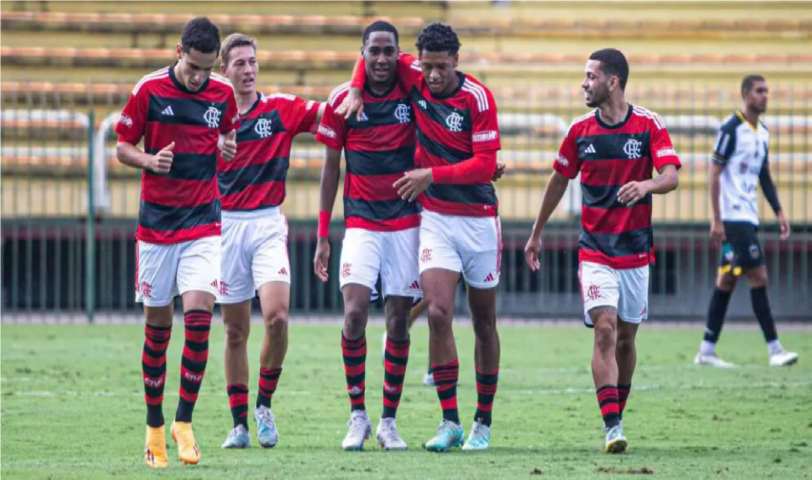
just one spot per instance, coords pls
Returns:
(662, 149)
(299, 114)
(332, 128)
(567, 162)
(409, 71)
(485, 122)
(725, 145)
(232, 119)
(133, 120)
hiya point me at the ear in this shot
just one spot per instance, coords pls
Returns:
(456, 59)
(223, 69)
(180, 51)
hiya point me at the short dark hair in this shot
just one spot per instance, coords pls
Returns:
(437, 37)
(202, 35)
(380, 26)
(750, 80)
(613, 62)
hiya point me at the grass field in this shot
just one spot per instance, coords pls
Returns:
(72, 408)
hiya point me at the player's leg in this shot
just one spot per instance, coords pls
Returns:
(155, 282)
(725, 285)
(626, 355)
(632, 310)
(360, 266)
(198, 281)
(600, 291)
(418, 307)
(440, 268)
(757, 276)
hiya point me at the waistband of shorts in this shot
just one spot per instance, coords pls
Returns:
(251, 214)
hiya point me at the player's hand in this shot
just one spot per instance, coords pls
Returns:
(413, 183)
(353, 103)
(322, 259)
(161, 162)
(500, 170)
(717, 232)
(531, 252)
(632, 192)
(228, 145)
(783, 225)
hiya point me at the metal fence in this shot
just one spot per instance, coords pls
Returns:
(59, 171)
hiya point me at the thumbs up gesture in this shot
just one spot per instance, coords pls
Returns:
(228, 145)
(161, 162)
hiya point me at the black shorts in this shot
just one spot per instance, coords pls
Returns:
(741, 250)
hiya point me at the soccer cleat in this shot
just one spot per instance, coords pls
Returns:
(615, 441)
(428, 380)
(360, 429)
(783, 358)
(188, 451)
(388, 437)
(237, 438)
(711, 360)
(155, 448)
(449, 435)
(479, 438)
(267, 436)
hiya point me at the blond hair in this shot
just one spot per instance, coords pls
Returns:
(233, 41)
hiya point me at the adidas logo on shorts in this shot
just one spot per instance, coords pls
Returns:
(283, 271)
(415, 285)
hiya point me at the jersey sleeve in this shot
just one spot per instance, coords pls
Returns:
(662, 149)
(485, 123)
(567, 162)
(409, 72)
(725, 145)
(300, 114)
(133, 120)
(332, 129)
(232, 118)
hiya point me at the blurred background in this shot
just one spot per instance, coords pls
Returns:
(69, 209)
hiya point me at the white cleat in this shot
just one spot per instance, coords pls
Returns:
(711, 361)
(238, 438)
(479, 438)
(360, 429)
(388, 436)
(267, 435)
(783, 358)
(428, 380)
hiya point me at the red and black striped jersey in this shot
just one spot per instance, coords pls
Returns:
(608, 157)
(379, 149)
(255, 177)
(450, 129)
(183, 204)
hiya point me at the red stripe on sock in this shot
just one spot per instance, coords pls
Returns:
(394, 368)
(449, 403)
(197, 337)
(354, 370)
(154, 362)
(194, 355)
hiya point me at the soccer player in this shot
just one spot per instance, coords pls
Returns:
(185, 115)
(740, 164)
(458, 134)
(382, 234)
(255, 234)
(614, 148)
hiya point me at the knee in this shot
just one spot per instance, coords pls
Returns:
(276, 320)
(726, 282)
(236, 334)
(397, 325)
(439, 318)
(757, 277)
(625, 346)
(354, 320)
(484, 328)
(605, 336)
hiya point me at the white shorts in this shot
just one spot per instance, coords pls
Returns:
(255, 252)
(624, 289)
(166, 271)
(365, 254)
(470, 245)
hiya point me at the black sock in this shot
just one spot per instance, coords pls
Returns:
(761, 307)
(716, 314)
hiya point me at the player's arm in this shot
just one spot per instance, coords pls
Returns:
(132, 156)
(319, 115)
(666, 162)
(130, 129)
(722, 151)
(328, 189)
(408, 73)
(227, 140)
(771, 194)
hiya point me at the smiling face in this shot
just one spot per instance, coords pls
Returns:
(242, 69)
(381, 57)
(439, 70)
(596, 84)
(194, 67)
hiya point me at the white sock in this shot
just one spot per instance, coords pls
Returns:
(774, 347)
(707, 348)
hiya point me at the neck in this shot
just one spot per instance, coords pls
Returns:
(379, 87)
(246, 100)
(453, 84)
(177, 74)
(614, 110)
(751, 116)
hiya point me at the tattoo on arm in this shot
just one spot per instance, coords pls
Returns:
(596, 312)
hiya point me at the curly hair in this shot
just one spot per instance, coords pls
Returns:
(437, 37)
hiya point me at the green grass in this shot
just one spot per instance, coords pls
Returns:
(72, 407)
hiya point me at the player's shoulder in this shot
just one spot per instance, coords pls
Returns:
(478, 93)
(150, 80)
(276, 100)
(731, 123)
(221, 83)
(338, 94)
(649, 117)
(582, 122)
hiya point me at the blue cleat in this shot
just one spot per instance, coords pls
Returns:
(479, 438)
(449, 435)
(266, 427)
(238, 438)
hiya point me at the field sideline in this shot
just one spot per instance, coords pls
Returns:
(72, 407)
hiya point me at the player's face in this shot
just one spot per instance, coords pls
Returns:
(757, 97)
(439, 70)
(194, 67)
(381, 56)
(242, 69)
(595, 84)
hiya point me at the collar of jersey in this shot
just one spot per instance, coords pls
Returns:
(388, 91)
(747, 122)
(443, 96)
(253, 107)
(180, 86)
(617, 125)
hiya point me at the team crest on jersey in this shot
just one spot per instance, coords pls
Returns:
(632, 148)
(454, 122)
(402, 113)
(212, 117)
(263, 127)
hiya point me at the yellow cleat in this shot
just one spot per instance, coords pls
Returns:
(155, 448)
(188, 451)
